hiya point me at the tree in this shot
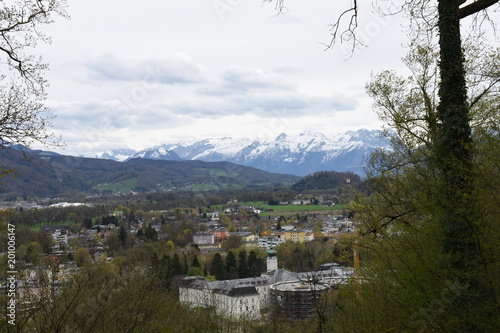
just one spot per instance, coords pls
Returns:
(177, 268)
(163, 270)
(123, 236)
(170, 245)
(98, 299)
(151, 233)
(195, 262)
(194, 271)
(231, 265)
(255, 264)
(232, 242)
(400, 246)
(31, 253)
(451, 154)
(22, 114)
(218, 268)
(81, 256)
(87, 223)
(242, 264)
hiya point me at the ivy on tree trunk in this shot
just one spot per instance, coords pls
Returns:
(453, 158)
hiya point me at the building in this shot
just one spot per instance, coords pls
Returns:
(270, 242)
(201, 238)
(240, 298)
(272, 260)
(297, 299)
(214, 216)
(298, 236)
(59, 234)
(220, 234)
(294, 295)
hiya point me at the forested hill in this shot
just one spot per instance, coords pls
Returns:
(324, 180)
(48, 174)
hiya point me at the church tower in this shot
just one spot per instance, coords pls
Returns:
(272, 260)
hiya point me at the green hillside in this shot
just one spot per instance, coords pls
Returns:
(59, 175)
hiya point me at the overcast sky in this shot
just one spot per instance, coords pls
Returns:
(129, 74)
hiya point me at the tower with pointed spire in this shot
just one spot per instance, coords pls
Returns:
(272, 260)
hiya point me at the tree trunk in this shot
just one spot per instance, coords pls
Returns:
(453, 158)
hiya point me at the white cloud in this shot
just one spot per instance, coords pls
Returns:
(153, 72)
(176, 68)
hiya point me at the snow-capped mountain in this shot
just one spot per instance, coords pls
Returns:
(158, 153)
(300, 154)
(120, 154)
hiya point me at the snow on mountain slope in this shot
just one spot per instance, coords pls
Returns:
(158, 153)
(300, 154)
(120, 154)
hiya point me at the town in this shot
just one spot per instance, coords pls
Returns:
(243, 261)
(210, 169)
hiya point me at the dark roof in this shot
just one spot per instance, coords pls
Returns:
(52, 228)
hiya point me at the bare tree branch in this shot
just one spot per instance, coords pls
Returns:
(349, 34)
(475, 7)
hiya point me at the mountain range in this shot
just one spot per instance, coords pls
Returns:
(222, 163)
(46, 174)
(301, 154)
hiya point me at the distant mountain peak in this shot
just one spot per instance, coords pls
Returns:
(281, 137)
(119, 154)
(298, 154)
(157, 153)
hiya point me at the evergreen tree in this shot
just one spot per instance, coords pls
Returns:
(177, 268)
(123, 236)
(231, 266)
(230, 260)
(87, 223)
(195, 262)
(218, 267)
(166, 272)
(243, 264)
(255, 264)
(186, 265)
(151, 233)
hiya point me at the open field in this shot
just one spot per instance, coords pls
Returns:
(37, 226)
(124, 186)
(274, 210)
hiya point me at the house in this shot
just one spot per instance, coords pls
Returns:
(203, 238)
(232, 209)
(104, 227)
(247, 208)
(270, 242)
(219, 234)
(59, 234)
(214, 216)
(298, 236)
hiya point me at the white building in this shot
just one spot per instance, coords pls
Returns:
(247, 298)
(270, 242)
(203, 238)
(240, 298)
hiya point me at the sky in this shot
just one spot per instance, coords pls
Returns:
(129, 74)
